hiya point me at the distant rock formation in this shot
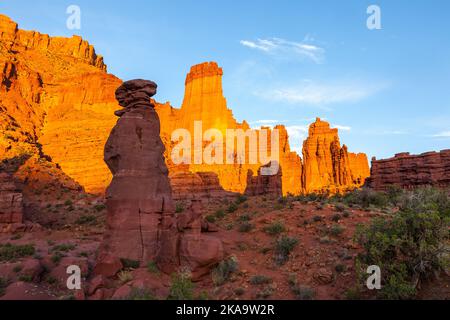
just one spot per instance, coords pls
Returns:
(57, 100)
(140, 224)
(409, 171)
(260, 184)
(11, 204)
(328, 167)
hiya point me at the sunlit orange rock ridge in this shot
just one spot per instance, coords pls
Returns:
(57, 100)
(328, 167)
(55, 92)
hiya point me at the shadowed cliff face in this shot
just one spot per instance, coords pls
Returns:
(57, 100)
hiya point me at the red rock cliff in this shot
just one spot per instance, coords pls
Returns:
(408, 171)
(328, 167)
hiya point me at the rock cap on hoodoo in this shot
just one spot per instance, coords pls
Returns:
(134, 92)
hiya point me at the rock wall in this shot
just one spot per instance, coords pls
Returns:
(11, 204)
(57, 100)
(409, 171)
(328, 167)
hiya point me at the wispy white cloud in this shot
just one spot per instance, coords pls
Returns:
(285, 48)
(342, 128)
(443, 134)
(308, 92)
(263, 122)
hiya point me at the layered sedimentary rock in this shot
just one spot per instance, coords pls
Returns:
(261, 184)
(11, 204)
(409, 171)
(57, 100)
(140, 221)
(55, 92)
(328, 167)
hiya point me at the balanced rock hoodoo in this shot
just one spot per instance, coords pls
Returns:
(141, 225)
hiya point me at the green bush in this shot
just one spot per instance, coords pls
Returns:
(240, 199)
(245, 217)
(260, 279)
(130, 264)
(224, 270)
(12, 252)
(283, 247)
(211, 218)
(179, 207)
(232, 208)
(64, 247)
(275, 228)
(336, 230)
(336, 217)
(3, 285)
(140, 294)
(246, 227)
(152, 267)
(99, 207)
(220, 214)
(182, 287)
(339, 207)
(411, 246)
(365, 198)
(86, 219)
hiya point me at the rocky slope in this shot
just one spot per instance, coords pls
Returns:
(409, 171)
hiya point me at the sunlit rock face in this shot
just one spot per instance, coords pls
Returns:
(328, 167)
(57, 100)
(409, 171)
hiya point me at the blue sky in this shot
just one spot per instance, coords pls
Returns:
(284, 62)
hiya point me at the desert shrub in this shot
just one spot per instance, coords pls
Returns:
(99, 207)
(339, 207)
(63, 247)
(152, 267)
(219, 214)
(56, 257)
(26, 278)
(179, 207)
(246, 227)
(3, 285)
(409, 247)
(275, 228)
(260, 279)
(336, 230)
(346, 214)
(265, 293)
(140, 294)
(211, 218)
(317, 218)
(125, 276)
(68, 203)
(303, 292)
(86, 219)
(129, 264)
(283, 247)
(245, 217)
(241, 199)
(17, 269)
(340, 268)
(366, 197)
(182, 287)
(12, 252)
(336, 217)
(224, 270)
(232, 208)
(239, 291)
